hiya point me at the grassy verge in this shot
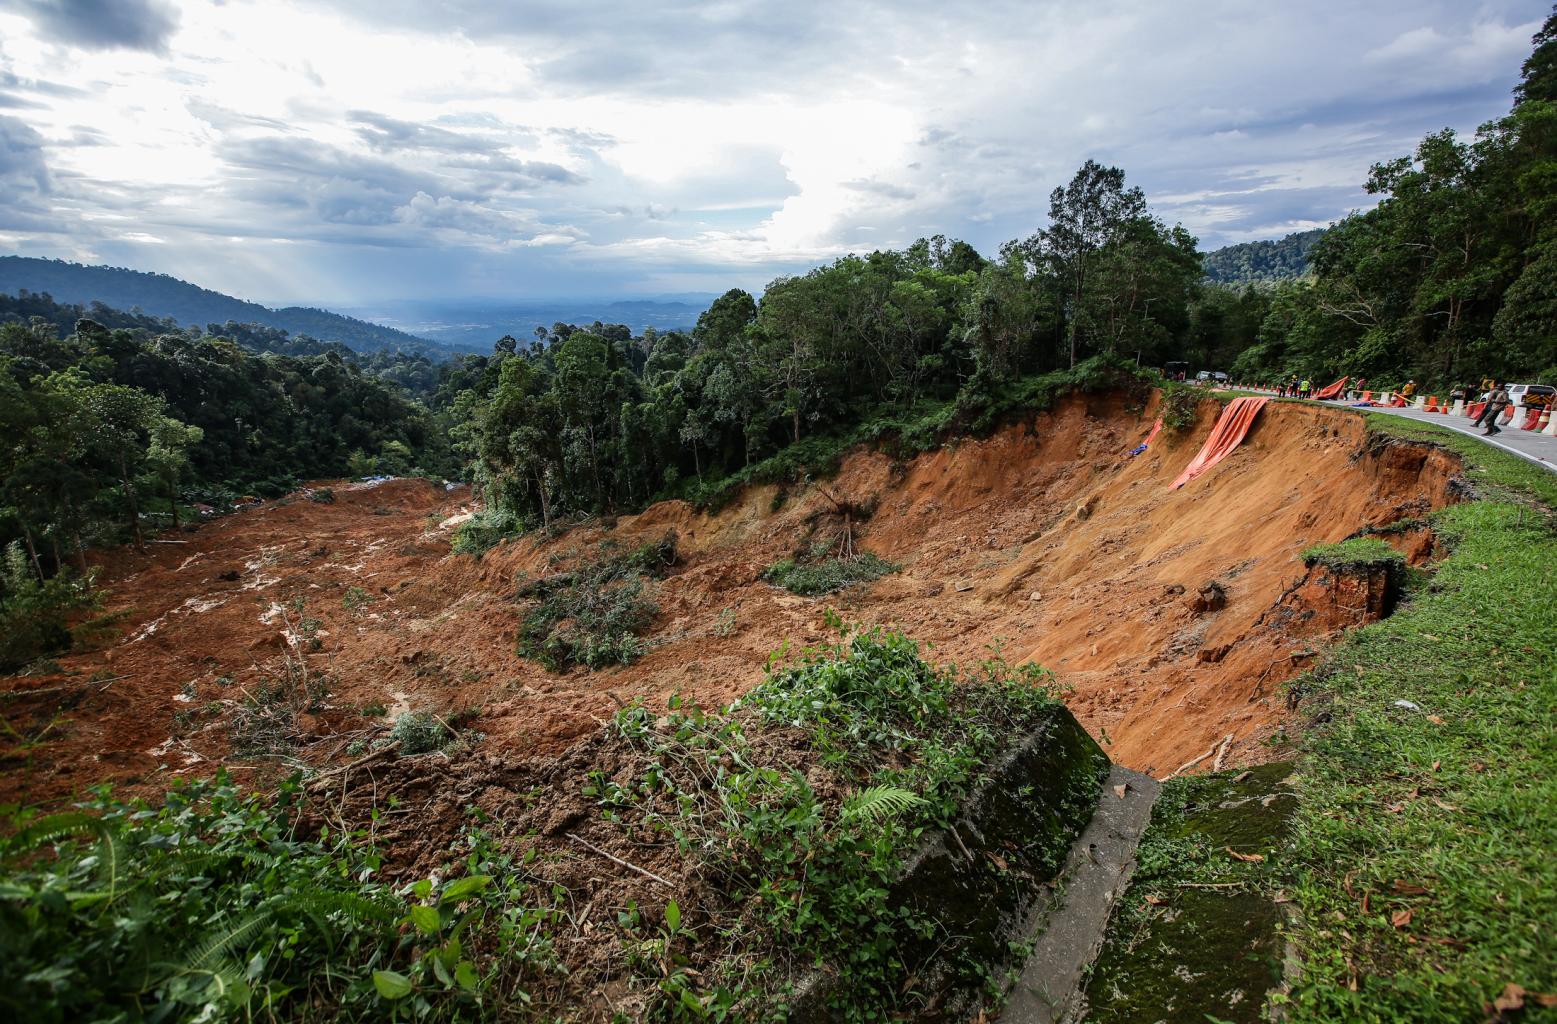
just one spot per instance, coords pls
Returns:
(1423, 849)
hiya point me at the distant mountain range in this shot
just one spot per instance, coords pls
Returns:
(159, 295)
(437, 329)
(471, 324)
(1279, 260)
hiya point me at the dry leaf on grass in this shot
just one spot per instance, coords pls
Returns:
(1249, 858)
(1400, 918)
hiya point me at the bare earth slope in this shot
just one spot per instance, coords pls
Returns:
(1043, 538)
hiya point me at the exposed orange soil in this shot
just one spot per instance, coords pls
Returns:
(1043, 538)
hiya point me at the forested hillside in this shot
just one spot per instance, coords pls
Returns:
(1281, 259)
(161, 296)
(108, 431)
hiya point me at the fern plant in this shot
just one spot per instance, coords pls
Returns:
(878, 802)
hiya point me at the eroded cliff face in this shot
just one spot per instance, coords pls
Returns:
(1171, 616)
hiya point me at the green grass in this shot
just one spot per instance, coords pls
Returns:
(816, 578)
(1357, 553)
(1425, 873)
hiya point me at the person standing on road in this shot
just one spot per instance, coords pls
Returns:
(1305, 388)
(1497, 400)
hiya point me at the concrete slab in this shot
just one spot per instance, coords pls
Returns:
(1072, 920)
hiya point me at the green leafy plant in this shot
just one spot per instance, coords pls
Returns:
(594, 613)
(812, 579)
(35, 613)
(214, 907)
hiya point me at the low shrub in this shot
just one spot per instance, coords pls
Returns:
(419, 732)
(811, 579)
(593, 614)
(213, 907)
(485, 531)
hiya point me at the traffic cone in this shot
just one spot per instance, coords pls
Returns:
(1432, 404)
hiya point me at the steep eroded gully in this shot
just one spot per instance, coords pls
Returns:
(1044, 540)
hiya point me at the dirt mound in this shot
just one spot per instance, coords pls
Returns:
(1044, 539)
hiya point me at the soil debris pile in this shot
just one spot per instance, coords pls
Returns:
(1040, 540)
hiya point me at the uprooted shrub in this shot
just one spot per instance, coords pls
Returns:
(485, 531)
(595, 613)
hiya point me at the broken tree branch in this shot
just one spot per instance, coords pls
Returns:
(617, 860)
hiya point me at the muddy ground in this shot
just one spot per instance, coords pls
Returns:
(1044, 540)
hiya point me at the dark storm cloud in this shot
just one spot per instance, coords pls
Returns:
(25, 180)
(102, 24)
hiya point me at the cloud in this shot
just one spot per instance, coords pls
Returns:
(24, 178)
(103, 24)
(340, 149)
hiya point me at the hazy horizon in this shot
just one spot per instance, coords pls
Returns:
(351, 154)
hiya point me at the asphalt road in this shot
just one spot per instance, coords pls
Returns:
(1528, 444)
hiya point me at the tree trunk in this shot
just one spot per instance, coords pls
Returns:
(135, 510)
(32, 551)
(173, 502)
(797, 424)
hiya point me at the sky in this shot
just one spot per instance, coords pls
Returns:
(351, 152)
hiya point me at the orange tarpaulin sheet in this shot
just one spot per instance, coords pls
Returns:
(1228, 434)
(1332, 390)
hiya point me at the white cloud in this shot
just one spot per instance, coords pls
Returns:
(351, 149)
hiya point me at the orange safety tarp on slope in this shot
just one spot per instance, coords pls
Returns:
(1228, 434)
(1333, 390)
